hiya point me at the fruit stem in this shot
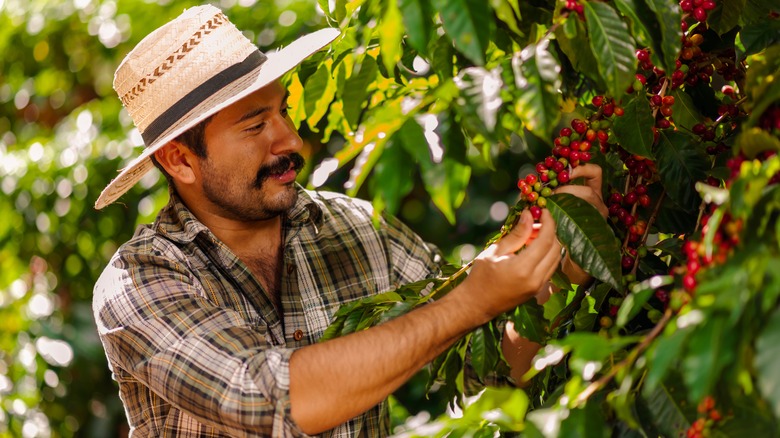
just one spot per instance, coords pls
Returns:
(661, 93)
(650, 221)
(633, 208)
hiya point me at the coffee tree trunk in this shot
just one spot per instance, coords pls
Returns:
(678, 102)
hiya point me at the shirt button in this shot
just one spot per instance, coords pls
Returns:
(298, 335)
(290, 268)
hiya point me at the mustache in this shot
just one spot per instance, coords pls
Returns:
(294, 161)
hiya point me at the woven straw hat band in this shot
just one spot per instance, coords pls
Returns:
(170, 72)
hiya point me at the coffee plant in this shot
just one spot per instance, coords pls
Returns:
(678, 102)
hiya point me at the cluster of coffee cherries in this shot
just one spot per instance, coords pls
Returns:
(697, 8)
(706, 133)
(573, 146)
(623, 206)
(725, 239)
(576, 7)
(708, 417)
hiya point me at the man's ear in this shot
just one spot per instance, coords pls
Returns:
(179, 161)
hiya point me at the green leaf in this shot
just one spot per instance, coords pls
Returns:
(391, 32)
(665, 355)
(612, 45)
(680, 165)
(505, 11)
(761, 81)
(318, 92)
(757, 11)
(419, 26)
(468, 23)
(725, 16)
(480, 90)
(445, 181)
(643, 23)
(356, 90)
(577, 48)
(484, 350)
(669, 15)
(669, 408)
(537, 77)
(767, 354)
(639, 295)
(587, 236)
(758, 36)
(591, 347)
(392, 178)
(509, 403)
(634, 130)
(441, 58)
(585, 318)
(756, 140)
(684, 111)
(711, 347)
(585, 422)
(530, 322)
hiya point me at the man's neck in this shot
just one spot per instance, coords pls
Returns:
(259, 237)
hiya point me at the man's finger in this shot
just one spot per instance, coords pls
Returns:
(591, 174)
(588, 194)
(545, 249)
(518, 237)
(545, 239)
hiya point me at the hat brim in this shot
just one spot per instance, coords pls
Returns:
(277, 64)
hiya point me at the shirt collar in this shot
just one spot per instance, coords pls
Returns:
(176, 221)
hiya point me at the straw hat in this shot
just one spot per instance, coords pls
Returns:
(188, 70)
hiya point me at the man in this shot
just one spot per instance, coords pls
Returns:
(210, 317)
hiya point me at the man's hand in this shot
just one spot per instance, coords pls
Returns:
(503, 278)
(591, 190)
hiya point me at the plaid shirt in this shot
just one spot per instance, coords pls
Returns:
(195, 344)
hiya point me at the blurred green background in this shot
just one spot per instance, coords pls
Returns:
(63, 135)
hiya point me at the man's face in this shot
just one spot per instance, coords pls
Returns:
(252, 157)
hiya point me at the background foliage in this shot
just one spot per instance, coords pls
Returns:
(63, 136)
(433, 109)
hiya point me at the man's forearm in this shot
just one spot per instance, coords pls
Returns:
(337, 380)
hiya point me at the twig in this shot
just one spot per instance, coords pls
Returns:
(598, 384)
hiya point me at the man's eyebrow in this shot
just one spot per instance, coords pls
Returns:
(258, 111)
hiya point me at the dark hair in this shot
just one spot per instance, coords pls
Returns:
(195, 140)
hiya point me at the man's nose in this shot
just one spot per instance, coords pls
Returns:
(287, 139)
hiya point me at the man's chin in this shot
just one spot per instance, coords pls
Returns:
(284, 199)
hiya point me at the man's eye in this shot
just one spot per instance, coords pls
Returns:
(286, 110)
(257, 127)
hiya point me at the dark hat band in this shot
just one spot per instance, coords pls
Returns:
(192, 99)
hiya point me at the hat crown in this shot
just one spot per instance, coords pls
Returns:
(186, 71)
(177, 58)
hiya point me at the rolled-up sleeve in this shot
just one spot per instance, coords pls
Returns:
(162, 332)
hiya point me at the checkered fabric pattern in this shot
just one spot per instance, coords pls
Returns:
(195, 344)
